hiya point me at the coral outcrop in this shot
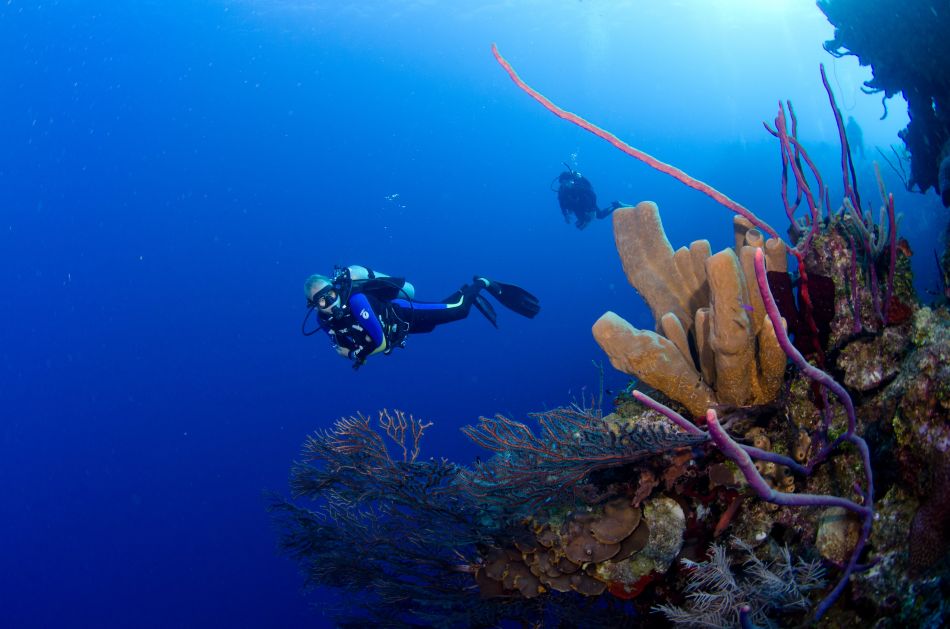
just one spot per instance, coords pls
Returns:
(713, 345)
(615, 545)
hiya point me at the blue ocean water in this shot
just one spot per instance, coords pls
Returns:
(171, 172)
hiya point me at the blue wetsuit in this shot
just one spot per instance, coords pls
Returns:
(374, 323)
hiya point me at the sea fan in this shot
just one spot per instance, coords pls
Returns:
(718, 588)
(531, 467)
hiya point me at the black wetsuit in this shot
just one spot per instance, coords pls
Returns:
(576, 196)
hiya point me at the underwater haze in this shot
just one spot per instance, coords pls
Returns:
(171, 172)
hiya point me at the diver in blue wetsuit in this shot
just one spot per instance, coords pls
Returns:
(365, 312)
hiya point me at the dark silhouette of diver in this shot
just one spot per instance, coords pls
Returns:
(576, 196)
(365, 312)
(855, 137)
(943, 175)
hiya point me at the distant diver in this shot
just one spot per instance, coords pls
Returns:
(943, 175)
(855, 137)
(576, 196)
(365, 312)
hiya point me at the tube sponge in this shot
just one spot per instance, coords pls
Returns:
(714, 343)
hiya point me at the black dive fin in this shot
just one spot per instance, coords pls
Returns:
(514, 298)
(486, 309)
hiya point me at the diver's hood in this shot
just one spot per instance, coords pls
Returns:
(317, 285)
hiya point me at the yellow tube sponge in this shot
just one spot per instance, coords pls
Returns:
(654, 359)
(648, 261)
(714, 343)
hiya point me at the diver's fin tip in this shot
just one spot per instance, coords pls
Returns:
(514, 298)
(482, 305)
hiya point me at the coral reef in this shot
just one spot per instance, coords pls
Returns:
(412, 546)
(853, 312)
(838, 464)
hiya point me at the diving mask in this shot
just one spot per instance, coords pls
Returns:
(325, 298)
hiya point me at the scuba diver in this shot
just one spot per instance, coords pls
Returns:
(365, 312)
(576, 196)
(855, 137)
(943, 175)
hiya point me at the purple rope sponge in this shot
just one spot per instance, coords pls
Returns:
(743, 455)
(866, 508)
